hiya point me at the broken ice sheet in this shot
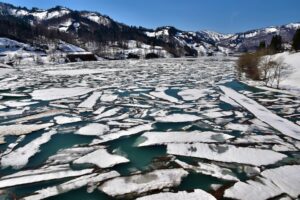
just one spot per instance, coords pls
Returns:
(20, 157)
(181, 195)
(193, 94)
(101, 158)
(42, 174)
(175, 118)
(284, 179)
(21, 129)
(141, 183)
(158, 138)
(59, 93)
(71, 185)
(226, 153)
(210, 169)
(93, 129)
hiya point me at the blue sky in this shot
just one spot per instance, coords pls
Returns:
(226, 16)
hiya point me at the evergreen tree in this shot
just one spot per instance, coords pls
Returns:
(296, 41)
(262, 45)
(276, 44)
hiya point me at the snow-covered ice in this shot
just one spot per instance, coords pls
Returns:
(59, 93)
(157, 138)
(284, 126)
(175, 118)
(226, 153)
(182, 195)
(93, 129)
(102, 159)
(142, 183)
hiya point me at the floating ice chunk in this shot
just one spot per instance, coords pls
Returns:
(210, 169)
(99, 110)
(157, 138)
(59, 93)
(12, 95)
(136, 105)
(90, 101)
(65, 156)
(2, 107)
(268, 139)
(228, 100)
(21, 129)
(176, 118)
(287, 178)
(284, 126)
(193, 94)
(38, 175)
(76, 72)
(71, 185)
(102, 159)
(215, 114)
(119, 134)
(108, 113)
(4, 71)
(41, 115)
(226, 153)
(20, 157)
(261, 190)
(12, 112)
(93, 129)
(17, 104)
(142, 183)
(237, 127)
(108, 97)
(66, 120)
(162, 95)
(182, 195)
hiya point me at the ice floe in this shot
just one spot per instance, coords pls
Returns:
(284, 126)
(66, 120)
(71, 185)
(90, 101)
(226, 153)
(22, 129)
(285, 179)
(193, 94)
(20, 157)
(142, 183)
(182, 195)
(42, 174)
(175, 118)
(210, 169)
(93, 129)
(131, 131)
(157, 138)
(59, 93)
(102, 159)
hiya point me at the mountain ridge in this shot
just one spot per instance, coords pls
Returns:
(106, 37)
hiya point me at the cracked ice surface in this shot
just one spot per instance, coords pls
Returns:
(110, 124)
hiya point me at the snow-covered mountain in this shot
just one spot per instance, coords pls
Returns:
(105, 37)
